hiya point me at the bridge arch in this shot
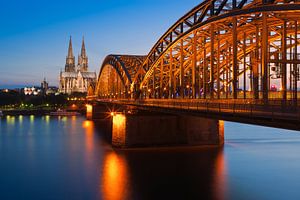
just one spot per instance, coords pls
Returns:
(117, 76)
(225, 49)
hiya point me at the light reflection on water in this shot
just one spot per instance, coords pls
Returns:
(20, 119)
(114, 178)
(67, 158)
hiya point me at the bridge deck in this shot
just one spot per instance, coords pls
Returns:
(276, 113)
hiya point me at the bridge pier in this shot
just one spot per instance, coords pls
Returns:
(144, 129)
(165, 130)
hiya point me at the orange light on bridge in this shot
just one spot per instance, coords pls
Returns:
(119, 130)
(89, 108)
(119, 119)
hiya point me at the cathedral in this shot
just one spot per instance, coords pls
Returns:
(76, 79)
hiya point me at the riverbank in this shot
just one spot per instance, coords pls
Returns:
(37, 112)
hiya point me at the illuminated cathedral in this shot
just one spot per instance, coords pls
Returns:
(76, 78)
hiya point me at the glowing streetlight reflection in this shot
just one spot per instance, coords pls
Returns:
(47, 119)
(20, 119)
(10, 120)
(220, 177)
(115, 177)
(31, 118)
(89, 135)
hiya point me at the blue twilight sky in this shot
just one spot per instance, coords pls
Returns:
(34, 34)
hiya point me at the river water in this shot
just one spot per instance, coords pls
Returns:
(68, 158)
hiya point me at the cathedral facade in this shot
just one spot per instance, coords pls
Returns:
(76, 78)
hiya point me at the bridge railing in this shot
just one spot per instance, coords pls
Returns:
(275, 109)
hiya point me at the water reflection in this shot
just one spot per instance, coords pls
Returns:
(114, 178)
(89, 134)
(10, 120)
(31, 118)
(220, 176)
(192, 173)
(47, 119)
(78, 164)
(64, 119)
(20, 119)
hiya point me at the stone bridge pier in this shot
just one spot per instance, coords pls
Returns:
(146, 129)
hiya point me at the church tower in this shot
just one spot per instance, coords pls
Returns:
(76, 78)
(83, 59)
(70, 60)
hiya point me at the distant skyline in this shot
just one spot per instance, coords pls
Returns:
(34, 35)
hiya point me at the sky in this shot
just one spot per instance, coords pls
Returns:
(34, 34)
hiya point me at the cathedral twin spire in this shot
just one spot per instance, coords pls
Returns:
(82, 59)
(70, 50)
(83, 51)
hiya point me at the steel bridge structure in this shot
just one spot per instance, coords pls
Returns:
(222, 53)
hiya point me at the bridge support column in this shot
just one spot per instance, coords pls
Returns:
(165, 130)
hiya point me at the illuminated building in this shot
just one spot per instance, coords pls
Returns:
(76, 79)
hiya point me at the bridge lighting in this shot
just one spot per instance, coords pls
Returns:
(149, 90)
(89, 108)
(188, 86)
(165, 89)
(112, 114)
(119, 125)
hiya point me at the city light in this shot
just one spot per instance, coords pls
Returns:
(89, 111)
(119, 119)
(89, 108)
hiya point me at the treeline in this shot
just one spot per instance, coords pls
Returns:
(15, 98)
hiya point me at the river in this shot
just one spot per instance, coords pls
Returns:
(68, 158)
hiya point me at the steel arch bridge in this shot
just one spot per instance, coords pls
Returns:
(221, 49)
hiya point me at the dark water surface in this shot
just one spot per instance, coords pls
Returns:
(67, 158)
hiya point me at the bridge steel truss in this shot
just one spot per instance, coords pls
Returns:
(221, 49)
